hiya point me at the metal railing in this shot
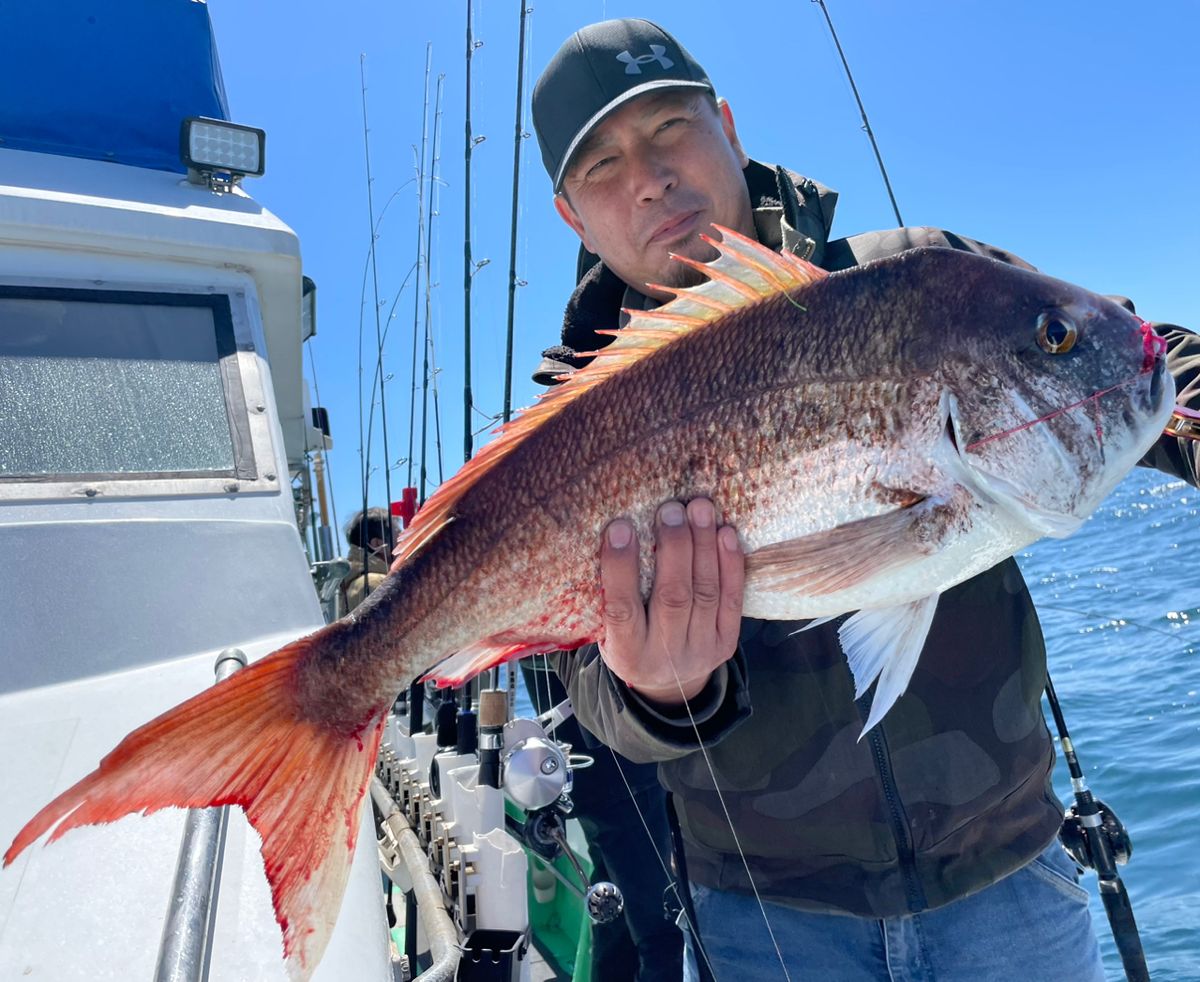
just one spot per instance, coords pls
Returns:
(186, 946)
(401, 841)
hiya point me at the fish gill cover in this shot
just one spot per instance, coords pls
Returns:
(107, 81)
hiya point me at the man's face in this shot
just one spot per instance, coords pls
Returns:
(649, 179)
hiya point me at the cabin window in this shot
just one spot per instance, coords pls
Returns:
(119, 384)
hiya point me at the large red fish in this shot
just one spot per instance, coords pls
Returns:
(876, 436)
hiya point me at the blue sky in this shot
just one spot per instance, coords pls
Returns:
(1065, 132)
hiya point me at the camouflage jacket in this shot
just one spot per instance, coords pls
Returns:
(952, 790)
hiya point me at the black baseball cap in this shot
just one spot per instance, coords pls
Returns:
(598, 69)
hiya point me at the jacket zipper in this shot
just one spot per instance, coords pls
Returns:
(905, 854)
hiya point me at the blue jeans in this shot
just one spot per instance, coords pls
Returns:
(1031, 926)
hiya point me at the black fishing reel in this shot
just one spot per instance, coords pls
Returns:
(544, 831)
(1075, 840)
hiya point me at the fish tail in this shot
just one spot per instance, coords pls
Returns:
(246, 741)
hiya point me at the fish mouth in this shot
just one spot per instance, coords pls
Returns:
(1157, 375)
(997, 490)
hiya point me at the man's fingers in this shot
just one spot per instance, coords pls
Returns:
(694, 615)
(732, 562)
(671, 598)
(623, 613)
(706, 570)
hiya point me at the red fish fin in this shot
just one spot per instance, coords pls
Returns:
(838, 558)
(244, 742)
(465, 664)
(743, 273)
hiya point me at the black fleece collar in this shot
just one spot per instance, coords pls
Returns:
(789, 210)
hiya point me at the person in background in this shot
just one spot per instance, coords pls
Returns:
(926, 850)
(369, 562)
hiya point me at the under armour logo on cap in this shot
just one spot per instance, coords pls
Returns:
(597, 70)
(633, 65)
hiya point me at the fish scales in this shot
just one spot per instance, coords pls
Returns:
(875, 436)
(823, 393)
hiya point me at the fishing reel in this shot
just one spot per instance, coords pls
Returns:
(545, 833)
(1073, 835)
(536, 772)
(537, 769)
(604, 902)
(537, 776)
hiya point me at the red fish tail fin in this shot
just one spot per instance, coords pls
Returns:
(245, 742)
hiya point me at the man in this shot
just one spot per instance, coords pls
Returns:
(927, 849)
(369, 562)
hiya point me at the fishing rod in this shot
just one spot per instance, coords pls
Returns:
(468, 263)
(364, 444)
(863, 113)
(412, 393)
(513, 282)
(433, 178)
(389, 538)
(1096, 839)
(426, 342)
(1091, 833)
(437, 412)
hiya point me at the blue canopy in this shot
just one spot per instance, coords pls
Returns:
(107, 79)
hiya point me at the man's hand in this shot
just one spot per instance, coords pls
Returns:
(695, 612)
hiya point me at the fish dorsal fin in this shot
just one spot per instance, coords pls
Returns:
(744, 273)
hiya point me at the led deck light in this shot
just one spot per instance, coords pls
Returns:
(220, 154)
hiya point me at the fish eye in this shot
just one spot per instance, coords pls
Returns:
(1056, 333)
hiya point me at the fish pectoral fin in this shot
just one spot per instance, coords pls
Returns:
(841, 557)
(884, 644)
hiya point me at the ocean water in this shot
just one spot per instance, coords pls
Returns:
(1119, 603)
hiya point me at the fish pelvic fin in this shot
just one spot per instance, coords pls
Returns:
(743, 273)
(884, 645)
(244, 741)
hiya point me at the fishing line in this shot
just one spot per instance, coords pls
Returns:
(486, 427)
(1116, 622)
(672, 881)
(724, 807)
(1094, 397)
(437, 412)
